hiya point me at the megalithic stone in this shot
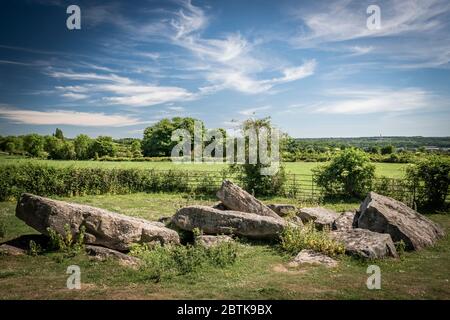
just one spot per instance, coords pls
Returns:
(105, 228)
(237, 199)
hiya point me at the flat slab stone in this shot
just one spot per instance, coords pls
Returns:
(214, 221)
(104, 228)
(312, 257)
(102, 254)
(365, 243)
(9, 250)
(210, 241)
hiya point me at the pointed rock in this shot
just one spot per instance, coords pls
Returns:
(386, 215)
(237, 199)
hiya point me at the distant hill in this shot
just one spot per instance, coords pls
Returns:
(366, 142)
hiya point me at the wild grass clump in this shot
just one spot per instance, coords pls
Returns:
(166, 261)
(293, 240)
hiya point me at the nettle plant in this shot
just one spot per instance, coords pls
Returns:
(66, 242)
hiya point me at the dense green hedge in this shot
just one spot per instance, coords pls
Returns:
(71, 181)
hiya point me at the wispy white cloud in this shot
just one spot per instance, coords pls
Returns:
(354, 102)
(74, 96)
(360, 50)
(64, 117)
(89, 76)
(405, 27)
(176, 108)
(228, 62)
(137, 95)
(120, 90)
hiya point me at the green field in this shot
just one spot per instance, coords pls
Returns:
(392, 170)
(260, 272)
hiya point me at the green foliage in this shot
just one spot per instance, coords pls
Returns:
(34, 144)
(158, 137)
(164, 262)
(66, 242)
(293, 240)
(103, 146)
(387, 149)
(59, 149)
(197, 232)
(400, 247)
(431, 178)
(48, 180)
(135, 149)
(59, 134)
(260, 185)
(34, 249)
(350, 174)
(83, 147)
(250, 174)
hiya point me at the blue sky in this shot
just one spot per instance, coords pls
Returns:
(313, 66)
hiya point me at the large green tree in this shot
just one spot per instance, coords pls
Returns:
(59, 134)
(104, 146)
(82, 145)
(34, 144)
(157, 138)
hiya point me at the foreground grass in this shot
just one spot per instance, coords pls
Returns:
(391, 170)
(259, 273)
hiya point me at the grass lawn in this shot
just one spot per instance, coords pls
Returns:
(392, 170)
(259, 273)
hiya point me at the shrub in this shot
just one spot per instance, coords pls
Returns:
(260, 185)
(46, 180)
(164, 262)
(293, 240)
(34, 249)
(395, 188)
(400, 247)
(431, 178)
(350, 173)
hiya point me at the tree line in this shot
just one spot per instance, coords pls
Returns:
(157, 142)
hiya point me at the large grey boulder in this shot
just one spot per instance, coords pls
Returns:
(386, 215)
(346, 220)
(105, 228)
(235, 198)
(322, 217)
(214, 221)
(365, 243)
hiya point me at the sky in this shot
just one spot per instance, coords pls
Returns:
(315, 67)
